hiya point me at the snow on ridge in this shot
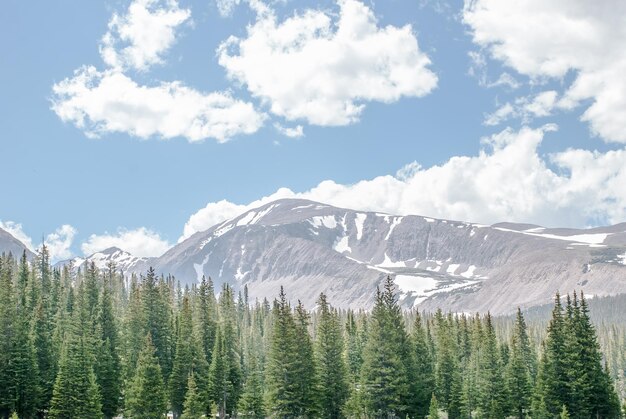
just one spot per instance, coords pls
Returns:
(359, 220)
(622, 259)
(591, 239)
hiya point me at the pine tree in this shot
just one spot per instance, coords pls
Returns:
(305, 369)
(433, 409)
(195, 404)
(520, 369)
(281, 382)
(425, 379)
(76, 393)
(552, 386)
(146, 397)
(183, 360)
(225, 372)
(252, 404)
(206, 313)
(491, 399)
(108, 368)
(156, 314)
(385, 377)
(7, 338)
(332, 369)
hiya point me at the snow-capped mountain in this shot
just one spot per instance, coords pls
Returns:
(124, 261)
(8, 243)
(309, 248)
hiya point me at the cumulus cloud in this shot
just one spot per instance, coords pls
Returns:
(322, 69)
(100, 102)
(548, 39)
(140, 242)
(139, 38)
(59, 242)
(507, 181)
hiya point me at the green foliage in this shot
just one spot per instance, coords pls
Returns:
(146, 397)
(433, 409)
(195, 403)
(331, 366)
(87, 342)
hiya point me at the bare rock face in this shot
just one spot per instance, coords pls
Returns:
(308, 248)
(9, 244)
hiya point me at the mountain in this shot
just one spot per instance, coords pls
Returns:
(124, 261)
(8, 243)
(309, 248)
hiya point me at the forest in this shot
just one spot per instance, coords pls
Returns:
(93, 343)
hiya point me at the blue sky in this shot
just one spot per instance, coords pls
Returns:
(491, 119)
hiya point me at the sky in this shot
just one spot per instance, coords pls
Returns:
(136, 123)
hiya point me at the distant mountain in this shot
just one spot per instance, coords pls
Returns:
(309, 248)
(124, 261)
(8, 243)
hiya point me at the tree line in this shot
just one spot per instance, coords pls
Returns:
(92, 343)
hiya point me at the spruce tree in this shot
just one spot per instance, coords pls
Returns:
(425, 379)
(384, 375)
(519, 378)
(433, 408)
(146, 398)
(195, 404)
(331, 367)
(108, 365)
(76, 394)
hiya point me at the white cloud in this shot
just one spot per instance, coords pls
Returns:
(139, 38)
(109, 101)
(59, 242)
(526, 108)
(291, 132)
(547, 39)
(216, 212)
(226, 7)
(140, 242)
(507, 181)
(324, 70)
(501, 114)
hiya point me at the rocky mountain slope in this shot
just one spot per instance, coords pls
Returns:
(8, 243)
(309, 248)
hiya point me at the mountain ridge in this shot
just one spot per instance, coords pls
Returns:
(309, 247)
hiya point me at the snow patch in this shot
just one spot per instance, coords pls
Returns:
(396, 221)
(328, 221)
(358, 222)
(452, 268)
(342, 245)
(388, 263)
(597, 238)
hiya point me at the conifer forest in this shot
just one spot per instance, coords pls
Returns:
(93, 343)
